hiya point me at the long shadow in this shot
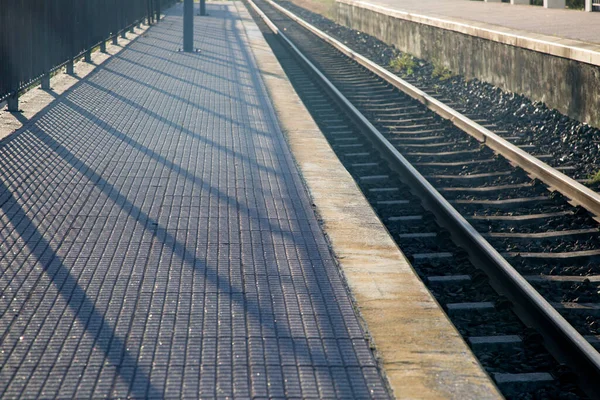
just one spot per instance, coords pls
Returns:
(83, 308)
(322, 313)
(127, 139)
(146, 151)
(163, 73)
(165, 120)
(205, 55)
(296, 346)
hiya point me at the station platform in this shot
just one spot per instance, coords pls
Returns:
(524, 20)
(548, 55)
(164, 228)
(571, 34)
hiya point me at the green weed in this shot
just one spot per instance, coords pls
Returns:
(594, 178)
(405, 63)
(441, 72)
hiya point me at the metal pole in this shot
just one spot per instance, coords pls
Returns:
(13, 102)
(72, 34)
(150, 12)
(203, 7)
(588, 5)
(70, 68)
(188, 25)
(45, 83)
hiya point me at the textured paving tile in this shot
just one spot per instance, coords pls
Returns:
(156, 239)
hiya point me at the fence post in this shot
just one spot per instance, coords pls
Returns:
(150, 12)
(12, 102)
(46, 81)
(70, 68)
(588, 5)
(73, 33)
(203, 7)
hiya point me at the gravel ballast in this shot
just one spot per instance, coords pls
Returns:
(570, 142)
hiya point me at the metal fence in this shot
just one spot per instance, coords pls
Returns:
(39, 36)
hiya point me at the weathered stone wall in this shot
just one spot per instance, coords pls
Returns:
(572, 87)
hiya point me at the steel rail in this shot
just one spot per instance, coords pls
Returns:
(560, 338)
(569, 187)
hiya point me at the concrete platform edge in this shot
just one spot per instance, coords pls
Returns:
(567, 48)
(570, 86)
(422, 354)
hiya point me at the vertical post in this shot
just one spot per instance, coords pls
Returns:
(157, 10)
(188, 25)
(87, 56)
(70, 70)
(150, 12)
(46, 81)
(588, 5)
(13, 102)
(203, 7)
(46, 45)
(72, 34)
(103, 46)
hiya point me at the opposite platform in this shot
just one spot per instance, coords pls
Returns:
(548, 55)
(527, 20)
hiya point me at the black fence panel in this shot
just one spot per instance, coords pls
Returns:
(38, 36)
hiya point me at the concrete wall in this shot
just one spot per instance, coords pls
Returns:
(572, 87)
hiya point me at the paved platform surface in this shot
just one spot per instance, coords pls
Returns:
(569, 24)
(156, 239)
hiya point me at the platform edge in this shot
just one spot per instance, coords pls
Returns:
(571, 49)
(430, 364)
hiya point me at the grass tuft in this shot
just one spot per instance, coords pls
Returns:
(441, 72)
(594, 178)
(405, 63)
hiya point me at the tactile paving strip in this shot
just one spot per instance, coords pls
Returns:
(156, 240)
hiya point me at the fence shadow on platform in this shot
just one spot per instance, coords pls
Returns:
(318, 268)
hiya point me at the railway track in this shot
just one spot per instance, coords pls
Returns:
(459, 200)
